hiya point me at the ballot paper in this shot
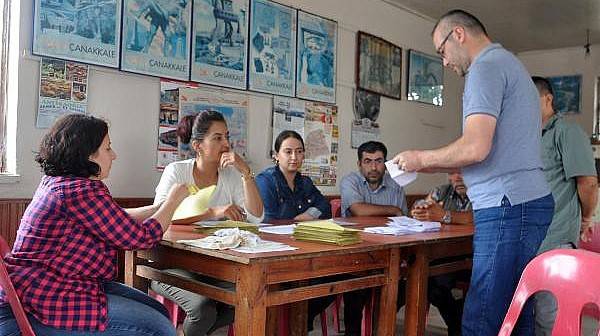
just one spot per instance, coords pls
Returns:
(400, 176)
(413, 225)
(237, 240)
(387, 230)
(278, 229)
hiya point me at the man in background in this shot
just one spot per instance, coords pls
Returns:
(447, 203)
(571, 172)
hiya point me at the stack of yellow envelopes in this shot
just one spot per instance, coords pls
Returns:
(326, 232)
(210, 228)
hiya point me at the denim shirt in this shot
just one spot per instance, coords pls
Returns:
(281, 202)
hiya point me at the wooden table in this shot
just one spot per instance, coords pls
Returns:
(263, 281)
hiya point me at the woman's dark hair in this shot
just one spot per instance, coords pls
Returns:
(284, 135)
(184, 128)
(66, 148)
(202, 123)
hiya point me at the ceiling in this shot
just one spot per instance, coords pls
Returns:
(521, 25)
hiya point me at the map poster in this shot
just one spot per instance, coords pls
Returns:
(86, 31)
(321, 139)
(156, 37)
(316, 58)
(272, 55)
(219, 42)
(63, 90)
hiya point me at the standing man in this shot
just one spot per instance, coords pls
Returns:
(571, 172)
(499, 154)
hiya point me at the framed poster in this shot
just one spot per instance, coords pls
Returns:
(272, 52)
(567, 93)
(81, 31)
(425, 78)
(316, 58)
(219, 42)
(378, 65)
(156, 37)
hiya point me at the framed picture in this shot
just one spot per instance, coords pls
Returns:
(219, 43)
(378, 65)
(316, 58)
(425, 78)
(272, 52)
(81, 31)
(155, 37)
(567, 93)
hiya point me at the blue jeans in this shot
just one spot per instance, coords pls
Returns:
(506, 239)
(130, 312)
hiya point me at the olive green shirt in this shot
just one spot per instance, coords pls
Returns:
(567, 154)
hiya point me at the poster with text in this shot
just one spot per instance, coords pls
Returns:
(169, 147)
(219, 42)
(233, 106)
(316, 58)
(272, 55)
(288, 114)
(86, 31)
(366, 111)
(156, 37)
(321, 139)
(63, 90)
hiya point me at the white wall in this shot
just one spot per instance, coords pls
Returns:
(569, 61)
(130, 102)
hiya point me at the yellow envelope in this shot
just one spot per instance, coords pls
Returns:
(195, 204)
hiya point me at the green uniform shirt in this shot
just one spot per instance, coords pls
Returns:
(566, 153)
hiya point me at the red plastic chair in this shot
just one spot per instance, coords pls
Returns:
(336, 207)
(11, 293)
(571, 275)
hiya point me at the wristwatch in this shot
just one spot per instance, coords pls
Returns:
(447, 217)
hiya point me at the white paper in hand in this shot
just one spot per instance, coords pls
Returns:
(400, 176)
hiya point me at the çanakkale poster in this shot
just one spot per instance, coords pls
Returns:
(272, 48)
(316, 59)
(85, 31)
(156, 37)
(219, 42)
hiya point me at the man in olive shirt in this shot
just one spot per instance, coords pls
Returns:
(571, 173)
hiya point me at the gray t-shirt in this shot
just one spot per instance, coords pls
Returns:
(354, 188)
(567, 154)
(498, 84)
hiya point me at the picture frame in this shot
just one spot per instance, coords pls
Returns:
(77, 31)
(220, 43)
(272, 48)
(425, 78)
(156, 38)
(378, 66)
(316, 58)
(567, 93)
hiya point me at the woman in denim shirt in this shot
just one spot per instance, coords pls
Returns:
(285, 192)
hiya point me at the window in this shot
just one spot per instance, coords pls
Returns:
(4, 32)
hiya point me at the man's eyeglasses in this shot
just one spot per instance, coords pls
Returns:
(440, 49)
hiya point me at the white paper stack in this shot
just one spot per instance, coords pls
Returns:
(400, 176)
(387, 230)
(413, 225)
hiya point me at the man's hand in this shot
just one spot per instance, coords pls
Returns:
(428, 211)
(587, 230)
(409, 161)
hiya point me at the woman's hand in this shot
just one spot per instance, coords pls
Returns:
(233, 159)
(230, 211)
(177, 193)
(303, 217)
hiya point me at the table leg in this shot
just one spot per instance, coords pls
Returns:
(386, 320)
(251, 309)
(416, 294)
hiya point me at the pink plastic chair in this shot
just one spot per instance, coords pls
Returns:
(571, 275)
(336, 207)
(11, 293)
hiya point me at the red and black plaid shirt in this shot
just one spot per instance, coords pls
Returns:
(66, 248)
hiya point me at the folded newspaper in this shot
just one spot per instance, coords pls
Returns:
(237, 240)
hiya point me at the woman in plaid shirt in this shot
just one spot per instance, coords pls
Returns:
(64, 257)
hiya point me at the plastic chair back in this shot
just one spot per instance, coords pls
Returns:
(336, 207)
(571, 275)
(11, 293)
